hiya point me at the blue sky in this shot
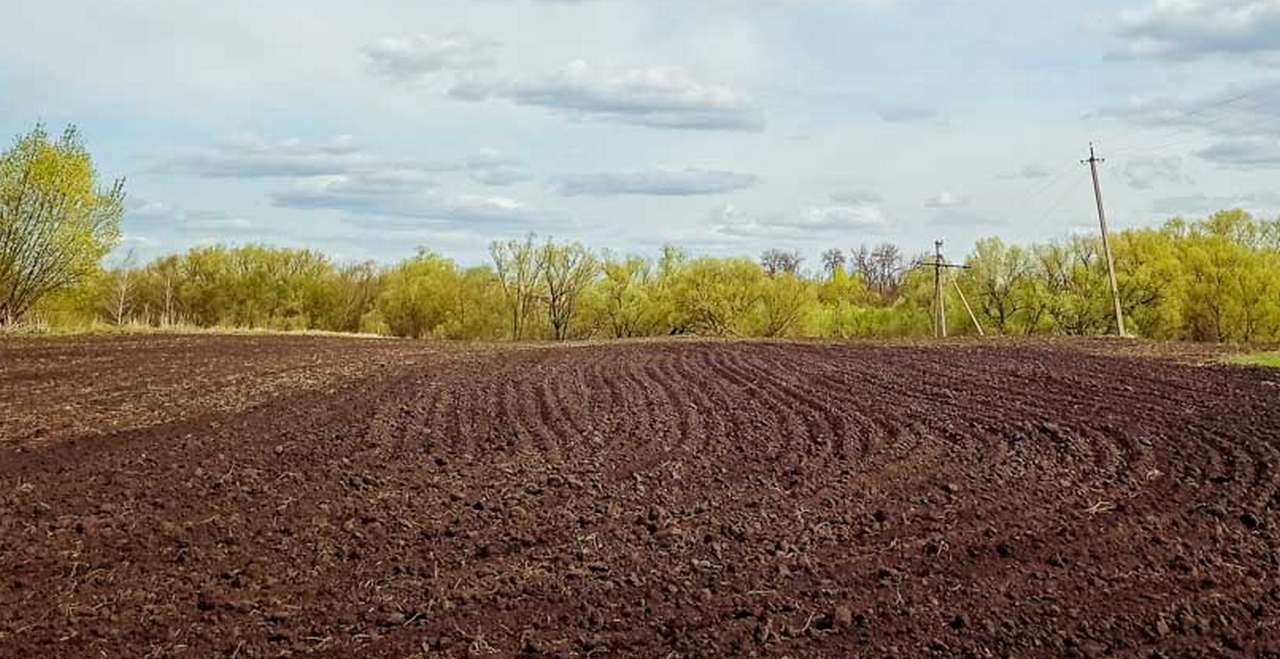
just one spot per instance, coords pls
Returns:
(728, 126)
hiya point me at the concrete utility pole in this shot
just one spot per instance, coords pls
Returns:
(940, 266)
(1106, 240)
(939, 300)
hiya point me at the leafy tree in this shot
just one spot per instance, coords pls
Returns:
(718, 296)
(519, 267)
(57, 221)
(785, 300)
(998, 280)
(419, 297)
(634, 300)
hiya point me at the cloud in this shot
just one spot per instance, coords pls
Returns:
(255, 157)
(495, 169)
(392, 202)
(1254, 153)
(417, 55)
(1145, 173)
(150, 216)
(1245, 121)
(1236, 110)
(1029, 171)
(652, 97)
(1262, 202)
(813, 222)
(856, 197)
(1188, 29)
(947, 200)
(657, 182)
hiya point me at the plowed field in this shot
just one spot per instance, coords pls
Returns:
(259, 496)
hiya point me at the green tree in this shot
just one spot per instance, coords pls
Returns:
(57, 221)
(419, 296)
(718, 296)
(518, 265)
(999, 281)
(633, 298)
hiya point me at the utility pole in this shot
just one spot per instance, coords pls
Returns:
(939, 302)
(1106, 241)
(940, 266)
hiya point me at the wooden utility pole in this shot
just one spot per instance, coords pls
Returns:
(1106, 240)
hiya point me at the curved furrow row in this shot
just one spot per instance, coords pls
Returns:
(510, 429)
(659, 419)
(676, 397)
(724, 396)
(846, 410)
(570, 394)
(824, 426)
(784, 433)
(699, 419)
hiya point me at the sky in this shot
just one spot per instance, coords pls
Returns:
(370, 129)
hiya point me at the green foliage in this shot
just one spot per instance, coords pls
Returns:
(429, 297)
(634, 298)
(1268, 359)
(518, 267)
(1216, 279)
(57, 221)
(718, 297)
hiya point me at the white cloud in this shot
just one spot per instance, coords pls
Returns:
(655, 97)
(1198, 204)
(150, 215)
(417, 55)
(1251, 109)
(1145, 173)
(657, 182)
(856, 197)
(1187, 29)
(814, 222)
(1241, 123)
(1029, 171)
(1244, 153)
(254, 157)
(388, 202)
(947, 199)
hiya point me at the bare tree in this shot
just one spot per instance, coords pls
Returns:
(120, 304)
(832, 260)
(566, 271)
(777, 261)
(881, 268)
(518, 264)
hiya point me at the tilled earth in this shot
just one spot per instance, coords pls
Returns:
(678, 498)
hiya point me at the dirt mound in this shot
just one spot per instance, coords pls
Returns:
(657, 499)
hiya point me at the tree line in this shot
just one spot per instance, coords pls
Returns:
(1212, 279)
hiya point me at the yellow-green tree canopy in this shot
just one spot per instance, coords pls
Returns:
(57, 221)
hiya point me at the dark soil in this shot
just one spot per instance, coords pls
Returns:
(653, 499)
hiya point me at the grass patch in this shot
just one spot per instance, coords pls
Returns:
(1271, 359)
